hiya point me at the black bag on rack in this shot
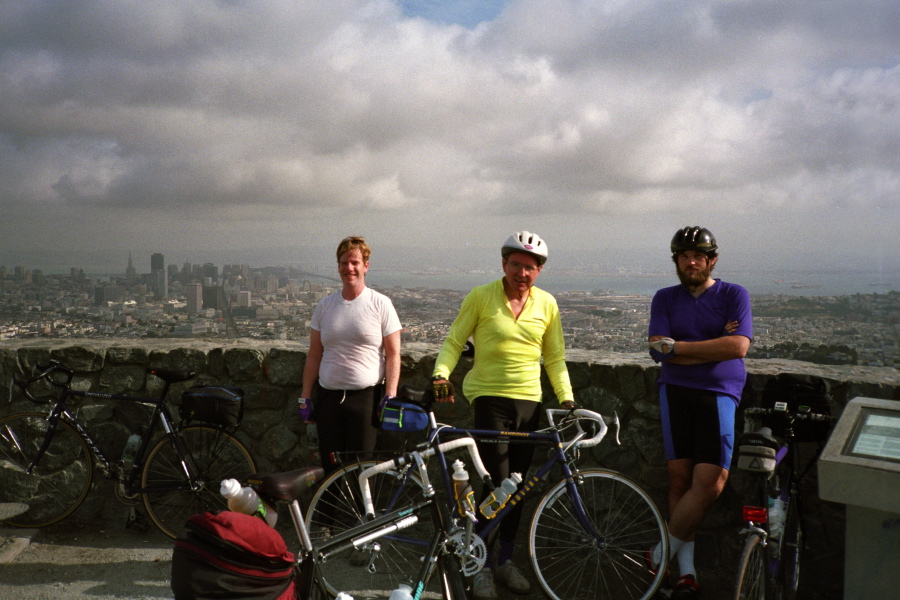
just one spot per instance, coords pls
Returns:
(214, 404)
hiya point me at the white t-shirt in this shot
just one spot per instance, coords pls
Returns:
(353, 335)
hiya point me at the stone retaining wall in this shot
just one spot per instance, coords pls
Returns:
(271, 376)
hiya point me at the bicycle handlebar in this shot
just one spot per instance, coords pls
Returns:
(416, 458)
(785, 413)
(583, 413)
(46, 371)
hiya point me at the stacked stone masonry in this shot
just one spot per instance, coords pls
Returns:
(271, 376)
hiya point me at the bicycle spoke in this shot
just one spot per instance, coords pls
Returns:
(572, 562)
(213, 455)
(59, 482)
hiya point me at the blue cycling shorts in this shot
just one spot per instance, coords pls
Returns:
(697, 424)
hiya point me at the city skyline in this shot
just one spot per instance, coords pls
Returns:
(265, 132)
(476, 267)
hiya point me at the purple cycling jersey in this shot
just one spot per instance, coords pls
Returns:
(675, 313)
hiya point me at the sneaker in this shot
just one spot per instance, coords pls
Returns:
(686, 587)
(512, 577)
(483, 585)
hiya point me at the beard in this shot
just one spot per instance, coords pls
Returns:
(695, 277)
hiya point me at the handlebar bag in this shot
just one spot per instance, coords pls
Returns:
(403, 416)
(231, 555)
(757, 452)
(214, 404)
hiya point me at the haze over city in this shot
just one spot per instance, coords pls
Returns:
(263, 132)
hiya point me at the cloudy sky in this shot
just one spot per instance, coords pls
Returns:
(263, 130)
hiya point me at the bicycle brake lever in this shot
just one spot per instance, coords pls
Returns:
(616, 425)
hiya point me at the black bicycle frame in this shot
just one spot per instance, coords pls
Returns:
(160, 413)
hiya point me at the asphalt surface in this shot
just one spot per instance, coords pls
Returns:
(71, 561)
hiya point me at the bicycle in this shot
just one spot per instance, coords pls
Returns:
(47, 459)
(313, 554)
(769, 565)
(586, 539)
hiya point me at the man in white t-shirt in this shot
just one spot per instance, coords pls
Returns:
(353, 360)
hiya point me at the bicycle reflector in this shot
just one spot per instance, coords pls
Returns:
(757, 514)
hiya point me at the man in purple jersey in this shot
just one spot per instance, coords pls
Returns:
(700, 331)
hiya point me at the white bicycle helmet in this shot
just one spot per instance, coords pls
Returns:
(525, 241)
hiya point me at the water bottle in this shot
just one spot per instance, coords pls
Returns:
(776, 517)
(403, 592)
(500, 496)
(245, 500)
(131, 448)
(462, 489)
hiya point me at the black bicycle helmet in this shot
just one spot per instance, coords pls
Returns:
(694, 238)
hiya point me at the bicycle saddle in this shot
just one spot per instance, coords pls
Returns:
(287, 486)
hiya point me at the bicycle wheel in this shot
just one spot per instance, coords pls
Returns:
(213, 455)
(750, 583)
(61, 479)
(337, 506)
(572, 563)
(791, 546)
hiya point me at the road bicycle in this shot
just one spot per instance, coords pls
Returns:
(47, 459)
(315, 553)
(586, 539)
(769, 565)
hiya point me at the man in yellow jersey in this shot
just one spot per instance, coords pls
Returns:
(512, 324)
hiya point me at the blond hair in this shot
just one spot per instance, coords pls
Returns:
(354, 242)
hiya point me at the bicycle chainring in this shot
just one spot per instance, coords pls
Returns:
(126, 499)
(471, 559)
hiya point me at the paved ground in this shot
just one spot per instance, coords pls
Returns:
(73, 562)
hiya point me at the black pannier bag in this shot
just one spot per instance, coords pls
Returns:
(231, 555)
(214, 404)
(799, 390)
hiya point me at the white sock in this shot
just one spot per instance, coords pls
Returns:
(686, 559)
(674, 546)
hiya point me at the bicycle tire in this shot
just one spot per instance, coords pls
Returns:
(791, 549)
(750, 583)
(60, 481)
(337, 506)
(570, 564)
(213, 455)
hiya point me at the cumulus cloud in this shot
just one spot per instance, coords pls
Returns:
(278, 119)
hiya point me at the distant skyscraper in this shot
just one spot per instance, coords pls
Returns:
(157, 262)
(212, 296)
(212, 271)
(243, 299)
(162, 283)
(130, 271)
(194, 294)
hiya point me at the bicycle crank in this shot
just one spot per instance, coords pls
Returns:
(471, 559)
